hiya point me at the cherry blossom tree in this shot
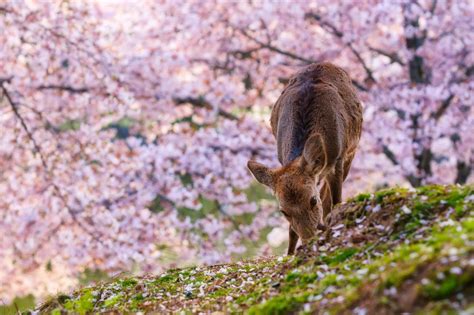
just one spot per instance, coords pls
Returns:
(126, 127)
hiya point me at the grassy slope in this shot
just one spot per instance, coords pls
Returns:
(390, 252)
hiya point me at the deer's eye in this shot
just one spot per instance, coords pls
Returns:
(313, 201)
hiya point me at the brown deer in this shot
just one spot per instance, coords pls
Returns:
(317, 123)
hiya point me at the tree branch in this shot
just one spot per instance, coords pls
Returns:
(5, 10)
(14, 107)
(389, 154)
(254, 151)
(244, 54)
(442, 109)
(336, 32)
(67, 88)
(332, 29)
(37, 149)
(203, 103)
(277, 49)
(291, 55)
(359, 85)
(469, 71)
(394, 58)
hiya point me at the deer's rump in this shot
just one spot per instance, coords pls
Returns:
(319, 99)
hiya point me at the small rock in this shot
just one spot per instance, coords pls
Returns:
(453, 251)
(405, 209)
(376, 208)
(307, 307)
(337, 227)
(275, 285)
(360, 311)
(315, 298)
(380, 227)
(358, 238)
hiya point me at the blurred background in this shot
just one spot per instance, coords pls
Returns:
(126, 126)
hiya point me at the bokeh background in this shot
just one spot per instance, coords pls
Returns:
(126, 125)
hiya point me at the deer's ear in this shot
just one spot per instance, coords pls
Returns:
(314, 157)
(262, 173)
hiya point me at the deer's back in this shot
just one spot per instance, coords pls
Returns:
(320, 99)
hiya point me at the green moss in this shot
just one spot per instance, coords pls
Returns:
(396, 278)
(431, 190)
(125, 283)
(390, 194)
(63, 298)
(340, 256)
(278, 305)
(292, 276)
(113, 300)
(452, 196)
(445, 284)
(456, 196)
(167, 277)
(248, 299)
(220, 292)
(81, 305)
(361, 198)
(440, 308)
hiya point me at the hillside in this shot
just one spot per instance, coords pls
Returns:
(394, 251)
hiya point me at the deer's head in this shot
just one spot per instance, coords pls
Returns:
(297, 193)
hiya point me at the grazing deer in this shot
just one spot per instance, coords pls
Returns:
(317, 123)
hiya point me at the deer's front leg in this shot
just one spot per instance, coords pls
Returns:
(292, 243)
(326, 199)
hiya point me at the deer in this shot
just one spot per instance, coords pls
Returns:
(317, 124)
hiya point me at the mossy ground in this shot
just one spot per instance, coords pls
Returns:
(391, 252)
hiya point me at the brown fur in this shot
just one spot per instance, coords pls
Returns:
(317, 122)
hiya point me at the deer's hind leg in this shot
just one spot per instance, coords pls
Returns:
(326, 198)
(347, 165)
(335, 180)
